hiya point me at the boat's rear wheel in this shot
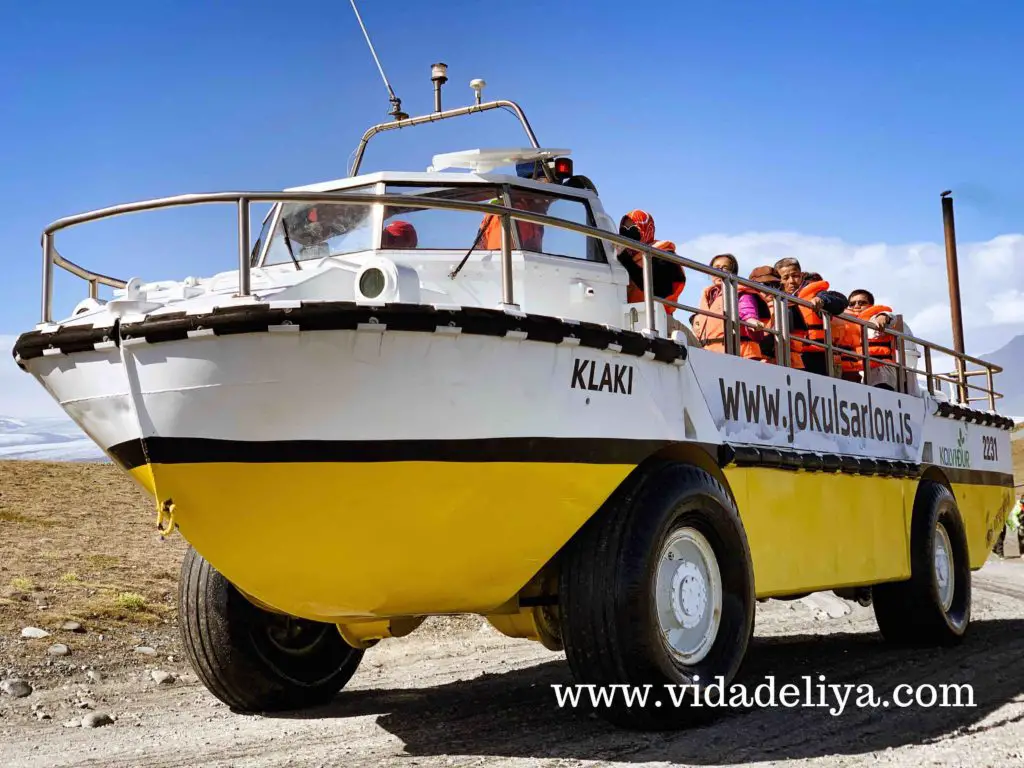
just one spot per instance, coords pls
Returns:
(252, 659)
(657, 590)
(933, 607)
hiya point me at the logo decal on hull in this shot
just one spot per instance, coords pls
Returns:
(614, 378)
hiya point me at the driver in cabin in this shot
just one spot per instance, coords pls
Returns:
(669, 278)
(399, 234)
(794, 282)
(531, 236)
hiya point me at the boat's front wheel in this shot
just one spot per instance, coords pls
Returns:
(657, 592)
(255, 660)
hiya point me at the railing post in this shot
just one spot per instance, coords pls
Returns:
(731, 310)
(902, 371)
(782, 350)
(47, 308)
(649, 323)
(826, 320)
(961, 381)
(507, 293)
(991, 389)
(243, 247)
(94, 289)
(928, 370)
(866, 350)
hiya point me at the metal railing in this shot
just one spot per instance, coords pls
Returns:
(730, 317)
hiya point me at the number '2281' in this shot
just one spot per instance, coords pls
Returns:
(990, 449)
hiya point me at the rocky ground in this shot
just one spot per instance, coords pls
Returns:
(115, 691)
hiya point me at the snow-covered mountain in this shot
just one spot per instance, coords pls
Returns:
(47, 438)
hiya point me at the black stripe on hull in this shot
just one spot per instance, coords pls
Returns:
(977, 476)
(541, 450)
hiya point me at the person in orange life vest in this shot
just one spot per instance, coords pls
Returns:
(845, 336)
(770, 279)
(752, 308)
(669, 279)
(880, 344)
(531, 236)
(794, 282)
(399, 234)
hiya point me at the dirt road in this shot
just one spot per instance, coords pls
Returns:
(457, 693)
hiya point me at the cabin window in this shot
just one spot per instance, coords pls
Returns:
(434, 228)
(555, 240)
(317, 230)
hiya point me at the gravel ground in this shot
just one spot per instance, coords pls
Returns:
(457, 693)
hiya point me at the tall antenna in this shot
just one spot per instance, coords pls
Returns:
(396, 103)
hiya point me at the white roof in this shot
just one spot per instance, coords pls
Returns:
(484, 160)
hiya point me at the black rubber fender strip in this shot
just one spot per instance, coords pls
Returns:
(346, 315)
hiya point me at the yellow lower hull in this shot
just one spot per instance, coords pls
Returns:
(330, 541)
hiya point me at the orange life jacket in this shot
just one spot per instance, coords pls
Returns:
(882, 348)
(530, 235)
(635, 294)
(846, 335)
(815, 324)
(711, 330)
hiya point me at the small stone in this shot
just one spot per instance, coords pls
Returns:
(72, 626)
(75, 723)
(95, 676)
(34, 633)
(161, 678)
(40, 715)
(15, 687)
(146, 650)
(96, 720)
(86, 704)
(170, 659)
(58, 649)
(37, 705)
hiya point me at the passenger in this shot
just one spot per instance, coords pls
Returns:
(669, 279)
(399, 234)
(751, 308)
(845, 336)
(770, 278)
(531, 236)
(881, 345)
(636, 294)
(795, 283)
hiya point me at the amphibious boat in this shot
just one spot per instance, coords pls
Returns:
(425, 392)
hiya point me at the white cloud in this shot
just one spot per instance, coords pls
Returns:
(911, 278)
(20, 394)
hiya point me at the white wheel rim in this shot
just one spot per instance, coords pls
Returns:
(688, 595)
(944, 567)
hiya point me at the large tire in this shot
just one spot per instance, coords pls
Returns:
(933, 607)
(630, 590)
(255, 660)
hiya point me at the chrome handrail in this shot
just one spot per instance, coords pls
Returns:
(732, 322)
(434, 117)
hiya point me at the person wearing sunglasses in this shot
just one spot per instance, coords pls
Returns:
(881, 345)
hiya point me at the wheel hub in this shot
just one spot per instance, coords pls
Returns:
(688, 595)
(944, 567)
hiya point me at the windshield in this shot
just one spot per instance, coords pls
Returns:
(316, 230)
(432, 228)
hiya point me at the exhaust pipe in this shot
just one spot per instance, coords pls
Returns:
(953, 277)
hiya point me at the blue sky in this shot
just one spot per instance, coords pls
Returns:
(833, 121)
